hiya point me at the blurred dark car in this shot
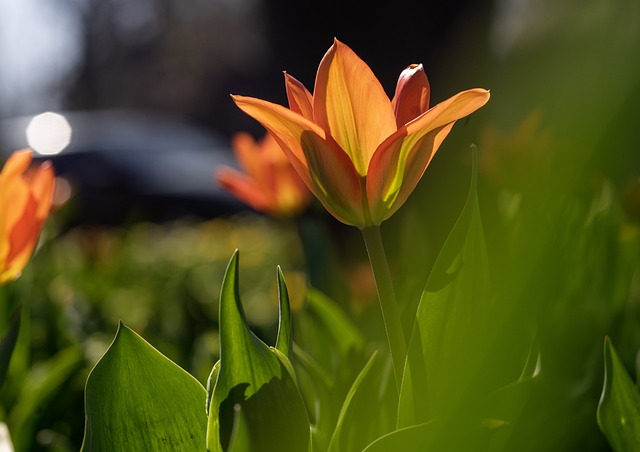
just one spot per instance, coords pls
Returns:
(124, 166)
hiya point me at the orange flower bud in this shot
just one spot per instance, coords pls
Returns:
(25, 202)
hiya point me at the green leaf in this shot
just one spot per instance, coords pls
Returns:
(42, 383)
(240, 435)
(619, 408)
(346, 435)
(256, 381)
(211, 382)
(408, 439)
(449, 336)
(505, 406)
(285, 337)
(315, 386)
(329, 352)
(137, 399)
(8, 343)
(327, 333)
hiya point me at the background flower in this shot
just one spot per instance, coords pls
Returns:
(25, 201)
(269, 183)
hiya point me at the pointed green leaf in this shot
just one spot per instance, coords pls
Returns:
(285, 338)
(446, 343)
(619, 407)
(8, 343)
(137, 399)
(256, 379)
(345, 435)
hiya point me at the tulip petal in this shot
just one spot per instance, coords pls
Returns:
(14, 198)
(244, 188)
(24, 234)
(323, 166)
(247, 151)
(286, 126)
(299, 97)
(23, 239)
(402, 159)
(415, 165)
(350, 103)
(412, 94)
(42, 187)
(16, 164)
(336, 183)
(19, 213)
(26, 203)
(452, 109)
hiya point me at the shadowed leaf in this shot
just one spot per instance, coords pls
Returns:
(255, 404)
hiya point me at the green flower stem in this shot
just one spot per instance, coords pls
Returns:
(387, 297)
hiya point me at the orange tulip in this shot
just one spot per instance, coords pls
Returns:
(360, 153)
(25, 201)
(270, 184)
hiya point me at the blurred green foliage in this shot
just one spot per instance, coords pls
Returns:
(162, 280)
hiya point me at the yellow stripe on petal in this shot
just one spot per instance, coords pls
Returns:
(402, 159)
(391, 181)
(350, 103)
(337, 184)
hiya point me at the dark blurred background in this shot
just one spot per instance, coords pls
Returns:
(149, 76)
(138, 80)
(184, 58)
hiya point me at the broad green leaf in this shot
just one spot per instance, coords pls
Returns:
(447, 340)
(8, 343)
(256, 381)
(619, 407)
(138, 399)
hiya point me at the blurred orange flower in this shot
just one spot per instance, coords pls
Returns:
(360, 153)
(25, 201)
(269, 184)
